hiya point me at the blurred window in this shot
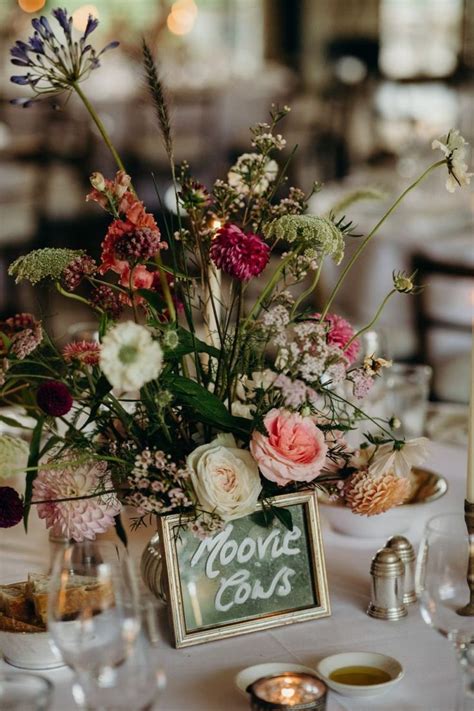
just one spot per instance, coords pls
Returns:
(420, 38)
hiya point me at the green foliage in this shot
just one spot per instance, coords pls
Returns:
(205, 406)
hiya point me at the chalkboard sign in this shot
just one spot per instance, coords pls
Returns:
(246, 577)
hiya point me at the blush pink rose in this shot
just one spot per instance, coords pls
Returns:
(293, 450)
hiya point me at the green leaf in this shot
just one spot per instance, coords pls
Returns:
(153, 299)
(120, 530)
(284, 515)
(189, 343)
(207, 406)
(12, 422)
(264, 517)
(102, 389)
(32, 462)
(178, 275)
(103, 323)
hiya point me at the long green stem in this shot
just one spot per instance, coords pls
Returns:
(371, 323)
(372, 233)
(309, 290)
(74, 297)
(269, 288)
(99, 125)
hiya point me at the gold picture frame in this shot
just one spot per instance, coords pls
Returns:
(195, 620)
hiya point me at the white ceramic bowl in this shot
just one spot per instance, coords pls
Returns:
(29, 650)
(363, 659)
(247, 676)
(428, 487)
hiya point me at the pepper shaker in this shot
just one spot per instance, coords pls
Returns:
(405, 551)
(388, 573)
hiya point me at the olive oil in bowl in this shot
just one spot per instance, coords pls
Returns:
(360, 676)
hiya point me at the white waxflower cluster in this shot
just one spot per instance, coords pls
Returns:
(157, 484)
(304, 353)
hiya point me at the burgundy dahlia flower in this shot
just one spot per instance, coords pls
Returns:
(239, 254)
(11, 507)
(54, 398)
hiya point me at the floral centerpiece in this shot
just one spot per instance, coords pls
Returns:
(195, 398)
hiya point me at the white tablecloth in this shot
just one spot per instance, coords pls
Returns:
(201, 678)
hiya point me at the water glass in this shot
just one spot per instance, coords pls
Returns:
(406, 389)
(443, 591)
(24, 692)
(93, 613)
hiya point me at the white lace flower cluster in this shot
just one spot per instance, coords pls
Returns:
(252, 174)
(157, 484)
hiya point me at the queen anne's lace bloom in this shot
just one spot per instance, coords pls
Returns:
(370, 494)
(47, 263)
(130, 357)
(79, 518)
(320, 233)
(13, 456)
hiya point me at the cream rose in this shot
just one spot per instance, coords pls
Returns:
(225, 478)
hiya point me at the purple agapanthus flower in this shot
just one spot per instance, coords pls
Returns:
(55, 64)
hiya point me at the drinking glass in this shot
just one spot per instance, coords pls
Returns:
(92, 613)
(406, 390)
(24, 692)
(441, 583)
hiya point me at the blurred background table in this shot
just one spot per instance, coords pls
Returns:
(205, 681)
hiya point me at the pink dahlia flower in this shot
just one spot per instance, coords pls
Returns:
(293, 450)
(76, 518)
(239, 254)
(339, 334)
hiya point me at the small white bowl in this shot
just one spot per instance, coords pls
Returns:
(360, 659)
(247, 676)
(427, 487)
(29, 650)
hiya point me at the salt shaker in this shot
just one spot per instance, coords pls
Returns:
(405, 551)
(388, 573)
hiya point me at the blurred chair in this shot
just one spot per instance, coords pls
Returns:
(444, 312)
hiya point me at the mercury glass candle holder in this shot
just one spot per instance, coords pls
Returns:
(291, 690)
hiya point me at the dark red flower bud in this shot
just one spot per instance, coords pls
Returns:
(54, 398)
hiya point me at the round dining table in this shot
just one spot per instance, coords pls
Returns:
(202, 677)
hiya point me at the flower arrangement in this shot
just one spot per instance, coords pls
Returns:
(192, 399)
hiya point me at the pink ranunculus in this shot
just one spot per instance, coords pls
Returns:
(339, 334)
(293, 450)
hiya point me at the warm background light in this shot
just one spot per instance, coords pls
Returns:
(31, 5)
(81, 15)
(182, 17)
